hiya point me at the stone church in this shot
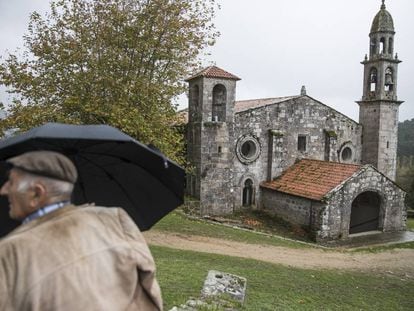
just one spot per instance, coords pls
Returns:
(295, 156)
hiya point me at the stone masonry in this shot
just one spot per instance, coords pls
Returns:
(234, 147)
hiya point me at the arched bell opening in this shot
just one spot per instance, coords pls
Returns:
(248, 193)
(389, 80)
(373, 79)
(365, 213)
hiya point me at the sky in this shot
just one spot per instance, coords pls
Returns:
(276, 46)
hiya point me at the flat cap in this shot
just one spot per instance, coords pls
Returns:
(46, 163)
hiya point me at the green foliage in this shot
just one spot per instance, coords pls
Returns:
(410, 224)
(409, 200)
(405, 171)
(406, 138)
(275, 287)
(117, 62)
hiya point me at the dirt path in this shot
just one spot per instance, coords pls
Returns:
(399, 261)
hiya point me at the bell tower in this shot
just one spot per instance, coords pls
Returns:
(210, 139)
(378, 109)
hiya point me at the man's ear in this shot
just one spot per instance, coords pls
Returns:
(39, 193)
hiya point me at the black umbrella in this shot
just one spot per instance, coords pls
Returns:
(114, 170)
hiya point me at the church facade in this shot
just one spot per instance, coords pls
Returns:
(295, 156)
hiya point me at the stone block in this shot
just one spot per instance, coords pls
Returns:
(219, 284)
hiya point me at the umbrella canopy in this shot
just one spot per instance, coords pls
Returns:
(114, 170)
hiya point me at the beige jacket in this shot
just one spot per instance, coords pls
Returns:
(78, 258)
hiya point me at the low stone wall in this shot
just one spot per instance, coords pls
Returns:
(293, 209)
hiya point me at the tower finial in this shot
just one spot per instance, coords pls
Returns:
(303, 90)
(383, 5)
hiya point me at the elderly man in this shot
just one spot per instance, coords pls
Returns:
(65, 257)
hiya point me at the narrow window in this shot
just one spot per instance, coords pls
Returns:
(388, 144)
(219, 149)
(248, 193)
(302, 143)
(327, 146)
(219, 103)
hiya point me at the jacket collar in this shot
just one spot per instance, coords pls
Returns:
(39, 221)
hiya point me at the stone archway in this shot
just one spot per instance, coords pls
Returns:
(365, 213)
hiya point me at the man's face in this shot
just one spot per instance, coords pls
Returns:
(19, 199)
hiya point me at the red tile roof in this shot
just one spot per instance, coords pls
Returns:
(312, 179)
(243, 105)
(214, 72)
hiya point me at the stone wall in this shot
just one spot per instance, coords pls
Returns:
(293, 209)
(330, 218)
(276, 129)
(211, 143)
(336, 216)
(380, 135)
(216, 174)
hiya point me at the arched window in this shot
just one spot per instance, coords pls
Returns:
(390, 46)
(382, 46)
(219, 103)
(248, 193)
(373, 79)
(389, 80)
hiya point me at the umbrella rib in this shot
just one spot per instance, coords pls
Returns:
(112, 178)
(80, 182)
(128, 161)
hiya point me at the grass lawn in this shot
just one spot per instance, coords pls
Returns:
(274, 287)
(176, 222)
(410, 224)
(179, 223)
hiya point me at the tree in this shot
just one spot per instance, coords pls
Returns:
(116, 62)
(409, 199)
(406, 138)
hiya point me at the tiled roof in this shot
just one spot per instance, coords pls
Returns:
(243, 105)
(312, 179)
(214, 72)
